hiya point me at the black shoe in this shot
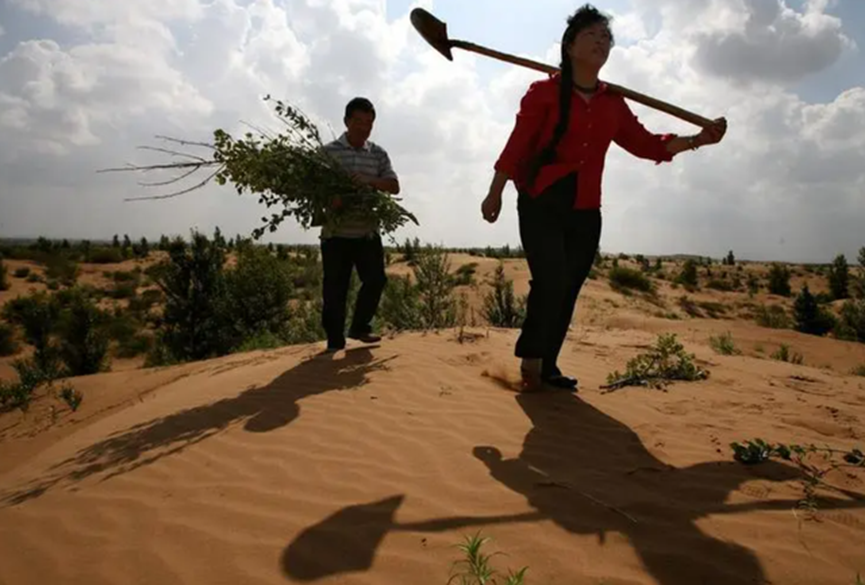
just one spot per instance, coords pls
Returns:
(333, 346)
(365, 337)
(561, 382)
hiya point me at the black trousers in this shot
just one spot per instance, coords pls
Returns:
(339, 256)
(560, 245)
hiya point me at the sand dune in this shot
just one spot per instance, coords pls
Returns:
(368, 466)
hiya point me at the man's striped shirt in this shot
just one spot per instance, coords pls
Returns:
(370, 160)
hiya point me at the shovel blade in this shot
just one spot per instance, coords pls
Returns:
(433, 31)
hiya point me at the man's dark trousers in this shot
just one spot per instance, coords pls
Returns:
(339, 256)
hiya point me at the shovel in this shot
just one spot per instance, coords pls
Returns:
(434, 31)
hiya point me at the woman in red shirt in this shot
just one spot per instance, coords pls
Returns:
(555, 157)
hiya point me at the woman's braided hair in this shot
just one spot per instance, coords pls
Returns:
(584, 17)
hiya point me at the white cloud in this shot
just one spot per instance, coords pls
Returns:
(788, 171)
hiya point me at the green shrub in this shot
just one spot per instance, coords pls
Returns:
(851, 324)
(839, 278)
(810, 317)
(257, 294)
(4, 280)
(37, 315)
(501, 307)
(666, 362)
(8, 344)
(724, 344)
(400, 307)
(624, 279)
(784, 354)
(779, 280)
(194, 284)
(465, 274)
(438, 307)
(83, 337)
(773, 317)
(103, 255)
(688, 276)
(62, 269)
(721, 285)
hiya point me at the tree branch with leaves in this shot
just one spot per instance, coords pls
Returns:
(290, 170)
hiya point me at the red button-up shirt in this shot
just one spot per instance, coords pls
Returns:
(605, 118)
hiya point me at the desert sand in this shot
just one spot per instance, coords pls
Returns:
(370, 465)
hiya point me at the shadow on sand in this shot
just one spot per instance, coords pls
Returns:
(590, 474)
(259, 410)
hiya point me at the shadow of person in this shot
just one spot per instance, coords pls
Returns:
(589, 474)
(260, 410)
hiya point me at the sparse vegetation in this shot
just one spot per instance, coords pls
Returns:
(688, 276)
(757, 451)
(477, 569)
(465, 274)
(501, 307)
(772, 317)
(779, 280)
(4, 280)
(724, 344)
(851, 324)
(8, 344)
(624, 279)
(785, 354)
(438, 306)
(666, 362)
(810, 317)
(839, 278)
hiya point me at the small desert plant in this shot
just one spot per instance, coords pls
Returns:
(22, 272)
(784, 354)
(773, 317)
(501, 307)
(662, 364)
(724, 345)
(859, 371)
(757, 450)
(71, 397)
(478, 569)
(623, 279)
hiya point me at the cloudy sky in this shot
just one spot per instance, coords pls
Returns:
(83, 83)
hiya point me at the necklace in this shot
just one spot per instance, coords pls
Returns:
(592, 89)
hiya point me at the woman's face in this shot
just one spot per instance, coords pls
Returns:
(591, 46)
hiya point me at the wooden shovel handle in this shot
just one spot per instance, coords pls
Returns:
(624, 91)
